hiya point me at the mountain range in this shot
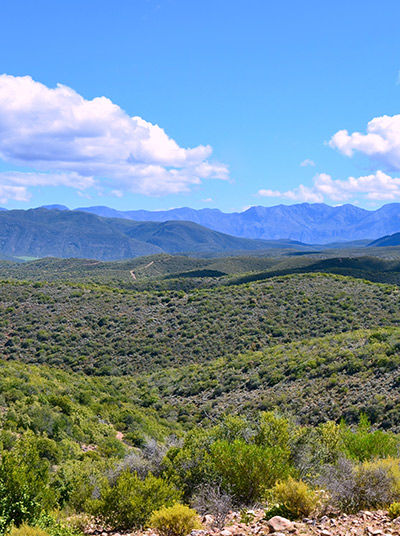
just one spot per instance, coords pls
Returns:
(44, 232)
(309, 223)
(106, 234)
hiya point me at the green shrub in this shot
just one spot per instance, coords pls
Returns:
(24, 484)
(247, 470)
(55, 527)
(176, 520)
(364, 444)
(394, 510)
(130, 501)
(296, 497)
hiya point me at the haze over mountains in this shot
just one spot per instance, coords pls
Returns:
(91, 233)
(63, 233)
(309, 223)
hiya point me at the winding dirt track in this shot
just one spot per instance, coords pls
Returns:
(133, 275)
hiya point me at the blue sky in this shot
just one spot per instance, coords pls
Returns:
(255, 88)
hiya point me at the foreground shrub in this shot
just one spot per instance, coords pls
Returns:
(176, 520)
(354, 487)
(27, 530)
(247, 470)
(24, 484)
(55, 527)
(394, 510)
(210, 499)
(130, 501)
(295, 498)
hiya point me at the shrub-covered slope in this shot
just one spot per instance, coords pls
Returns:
(75, 410)
(332, 377)
(101, 330)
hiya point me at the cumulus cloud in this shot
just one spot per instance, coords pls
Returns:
(377, 187)
(380, 142)
(307, 162)
(83, 143)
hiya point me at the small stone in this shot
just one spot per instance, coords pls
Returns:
(280, 524)
(226, 532)
(374, 532)
(325, 532)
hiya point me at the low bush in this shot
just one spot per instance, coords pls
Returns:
(176, 520)
(295, 498)
(210, 499)
(53, 526)
(27, 530)
(394, 510)
(353, 487)
(130, 501)
(247, 470)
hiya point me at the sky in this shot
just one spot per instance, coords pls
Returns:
(154, 104)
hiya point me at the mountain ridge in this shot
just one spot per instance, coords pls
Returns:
(63, 233)
(312, 223)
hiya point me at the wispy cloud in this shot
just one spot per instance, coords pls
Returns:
(84, 143)
(307, 162)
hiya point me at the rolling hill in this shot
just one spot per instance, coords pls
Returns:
(103, 330)
(386, 241)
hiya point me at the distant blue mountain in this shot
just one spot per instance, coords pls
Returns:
(310, 223)
(55, 207)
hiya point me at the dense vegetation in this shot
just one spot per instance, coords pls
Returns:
(198, 383)
(103, 330)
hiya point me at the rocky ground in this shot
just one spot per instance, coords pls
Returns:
(362, 524)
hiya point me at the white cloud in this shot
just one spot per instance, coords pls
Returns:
(71, 179)
(381, 141)
(307, 162)
(17, 193)
(83, 143)
(377, 187)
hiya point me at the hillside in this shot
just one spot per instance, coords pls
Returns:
(65, 407)
(116, 387)
(385, 241)
(104, 330)
(314, 379)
